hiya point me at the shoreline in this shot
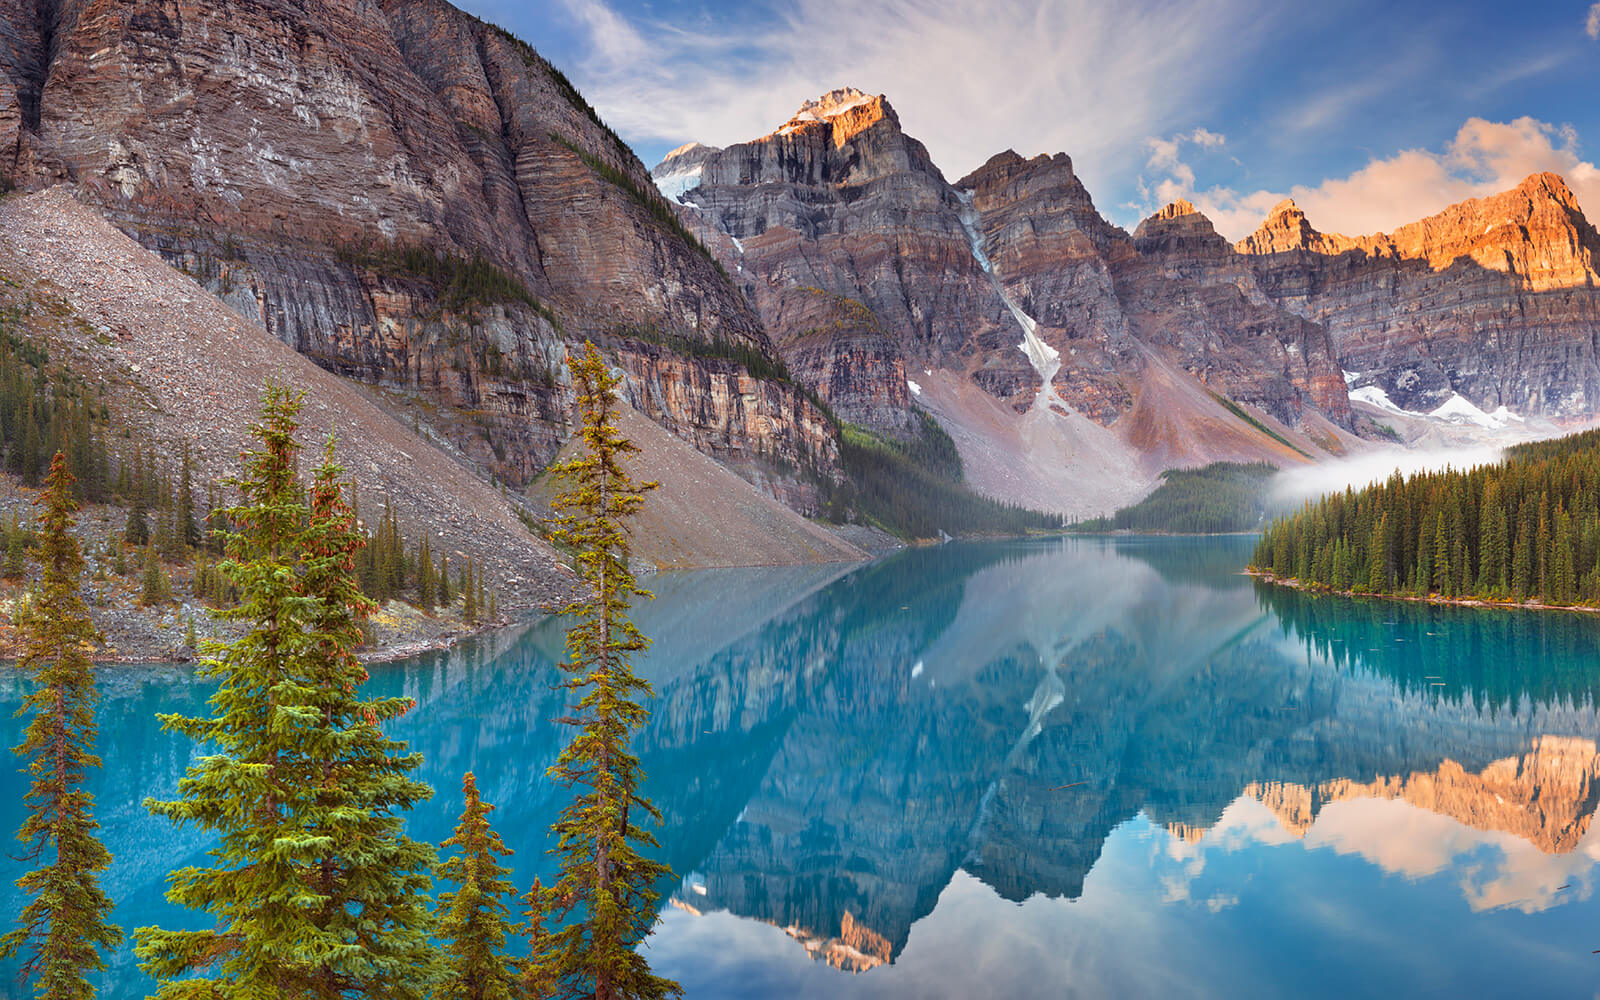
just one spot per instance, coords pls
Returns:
(1294, 583)
(401, 648)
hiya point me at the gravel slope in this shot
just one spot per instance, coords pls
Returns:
(182, 365)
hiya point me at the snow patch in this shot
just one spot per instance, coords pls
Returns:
(1459, 409)
(1350, 377)
(828, 106)
(916, 390)
(1046, 360)
(1375, 395)
(916, 671)
(737, 245)
(1455, 410)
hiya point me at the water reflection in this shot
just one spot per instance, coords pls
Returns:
(844, 757)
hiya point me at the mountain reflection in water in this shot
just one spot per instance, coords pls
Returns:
(1032, 769)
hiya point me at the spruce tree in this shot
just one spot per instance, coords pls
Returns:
(314, 891)
(16, 564)
(188, 531)
(472, 918)
(66, 927)
(605, 897)
(425, 591)
(156, 588)
(138, 530)
(372, 878)
(469, 596)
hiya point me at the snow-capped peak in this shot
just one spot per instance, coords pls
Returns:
(687, 147)
(835, 102)
(829, 105)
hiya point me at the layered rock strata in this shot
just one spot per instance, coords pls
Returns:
(408, 195)
(1496, 299)
(887, 289)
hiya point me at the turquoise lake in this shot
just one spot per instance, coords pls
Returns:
(1083, 767)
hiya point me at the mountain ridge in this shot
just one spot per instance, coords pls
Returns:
(1491, 300)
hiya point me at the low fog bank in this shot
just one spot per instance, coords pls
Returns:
(1292, 487)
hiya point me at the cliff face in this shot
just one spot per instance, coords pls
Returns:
(841, 200)
(1175, 287)
(404, 193)
(1495, 299)
(1106, 359)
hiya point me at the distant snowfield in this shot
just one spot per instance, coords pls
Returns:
(1456, 435)
(1457, 409)
(674, 186)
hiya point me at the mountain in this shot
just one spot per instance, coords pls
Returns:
(420, 202)
(171, 366)
(1069, 361)
(409, 196)
(1061, 352)
(1494, 300)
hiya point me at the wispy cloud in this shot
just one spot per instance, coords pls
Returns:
(1175, 177)
(968, 79)
(610, 35)
(1592, 26)
(1483, 158)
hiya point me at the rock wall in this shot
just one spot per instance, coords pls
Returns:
(1495, 298)
(288, 152)
(841, 201)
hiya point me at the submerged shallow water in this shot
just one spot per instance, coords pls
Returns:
(1082, 767)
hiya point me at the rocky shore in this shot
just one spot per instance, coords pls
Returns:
(1465, 602)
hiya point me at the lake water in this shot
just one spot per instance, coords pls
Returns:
(1063, 768)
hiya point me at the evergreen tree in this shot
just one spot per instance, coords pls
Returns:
(534, 978)
(67, 925)
(138, 531)
(188, 532)
(606, 893)
(315, 893)
(1522, 560)
(16, 566)
(216, 521)
(32, 444)
(372, 878)
(425, 590)
(472, 919)
(1378, 577)
(469, 596)
(156, 587)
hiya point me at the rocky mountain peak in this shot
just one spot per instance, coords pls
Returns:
(1549, 186)
(1285, 229)
(846, 109)
(689, 150)
(834, 102)
(1535, 231)
(1003, 168)
(1179, 220)
(1179, 208)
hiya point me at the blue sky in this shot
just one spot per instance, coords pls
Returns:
(1368, 113)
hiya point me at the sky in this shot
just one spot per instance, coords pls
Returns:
(1369, 113)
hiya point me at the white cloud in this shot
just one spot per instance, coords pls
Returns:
(1083, 76)
(1483, 158)
(1165, 157)
(610, 35)
(1593, 24)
